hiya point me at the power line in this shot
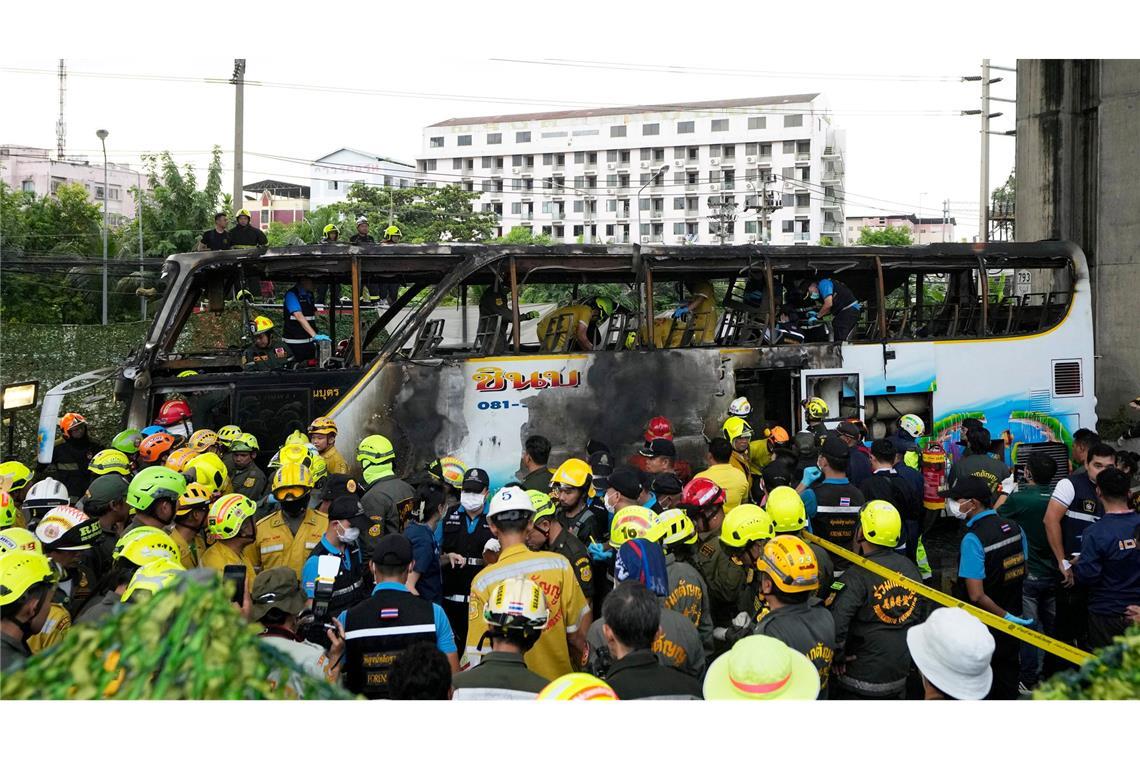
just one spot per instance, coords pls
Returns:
(670, 69)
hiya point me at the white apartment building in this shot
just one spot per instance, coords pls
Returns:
(923, 230)
(575, 175)
(33, 170)
(333, 174)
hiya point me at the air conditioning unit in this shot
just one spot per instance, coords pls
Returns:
(516, 170)
(645, 238)
(611, 165)
(714, 161)
(750, 159)
(644, 164)
(679, 162)
(714, 187)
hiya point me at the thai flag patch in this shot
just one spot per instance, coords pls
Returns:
(389, 613)
(515, 608)
(845, 501)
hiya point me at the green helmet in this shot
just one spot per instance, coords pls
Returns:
(605, 306)
(545, 508)
(127, 441)
(246, 442)
(375, 449)
(228, 434)
(152, 484)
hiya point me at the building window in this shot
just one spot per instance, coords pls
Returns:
(436, 142)
(646, 154)
(28, 186)
(100, 192)
(729, 151)
(457, 163)
(803, 200)
(578, 206)
(678, 228)
(494, 138)
(714, 151)
(522, 137)
(794, 120)
(787, 225)
(757, 122)
(679, 203)
(685, 127)
(765, 150)
(333, 184)
(516, 160)
(429, 165)
(694, 153)
(658, 154)
(789, 147)
(720, 125)
(648, 130)
(617, 131)
(464, 140)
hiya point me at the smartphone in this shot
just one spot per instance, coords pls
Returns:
(236, 574)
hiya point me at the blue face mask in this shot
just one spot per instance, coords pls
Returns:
(814, 295)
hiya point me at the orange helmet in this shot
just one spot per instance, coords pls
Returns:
(154, 447)
(70, 421)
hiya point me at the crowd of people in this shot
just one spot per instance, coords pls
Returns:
(597, 578)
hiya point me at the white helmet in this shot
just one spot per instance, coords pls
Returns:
(361, 220)
(740, 407)
(510, 499)
(46, 494)
(912, 424)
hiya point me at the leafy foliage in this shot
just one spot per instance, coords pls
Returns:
(1113, 673)
(887, 236)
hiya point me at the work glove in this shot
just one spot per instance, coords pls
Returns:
(1009, 485)
(811, 475)
(492, 546)
(319, 337)
(599, 552)
(813, 315)
(680, 312)
(529, 315)
(1018, 620)
(812, 322)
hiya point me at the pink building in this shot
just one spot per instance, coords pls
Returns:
(33, 170)
(923, 230)
(272, 200)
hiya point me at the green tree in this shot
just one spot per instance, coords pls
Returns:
(1003, 196)
(826, 240)
(523, 236)
(887, 236)
(423, 214)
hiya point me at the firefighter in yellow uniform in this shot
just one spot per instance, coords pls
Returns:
(322, 434)
(230, 523)
(287, 536)
(186, 531)
(739, 433)
(574, 327)
(701, 310)
(562, 643)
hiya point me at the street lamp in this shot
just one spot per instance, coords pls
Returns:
(664, 168)
(102, 135)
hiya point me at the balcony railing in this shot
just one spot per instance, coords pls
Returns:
(802, 237)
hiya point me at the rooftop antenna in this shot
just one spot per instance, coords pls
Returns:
(60, 127)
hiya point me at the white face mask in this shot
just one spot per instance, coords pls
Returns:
(955, 508)
(611, 506)
(471, 502)
(348, 535)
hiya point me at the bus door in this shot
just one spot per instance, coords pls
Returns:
(842, 390)
(772, 395)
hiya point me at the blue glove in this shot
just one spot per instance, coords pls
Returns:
(812, 322)
(680, 311)
(599, 552)
(321, 337)
(1018, 620)
(811, 474)
(813, 315)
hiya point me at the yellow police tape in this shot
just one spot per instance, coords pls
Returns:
(1028, 635)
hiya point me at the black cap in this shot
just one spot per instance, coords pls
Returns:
(593, 447)
(971, 487)
(833, 446)
(601, 463)
(337, 485)
(345, 508)
(665, 484)
(659, 447)
(776, 474)
(476, 480)
(626, 481)
(847, 427)
(393, 549)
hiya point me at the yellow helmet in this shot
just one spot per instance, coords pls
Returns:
(293, 481)
(17, 471)
(200, 440)
(244, 212)
(294, 453)
(7, 510)
(227, 434)
(187, 373)
(110, 460)
(745, 523)
(296, 437)
(736, 427)
(786, 509)
(260, 324)
(452, 470)
(816, 408)
(572, 472)
(20, 570)
(375, 450)
(323, 425)
(631, 522)
(19, 539)
(152, 578)
(577, 687)
(228, 514)
(673, 526)
(246, 443)
(391, 231)
(209, 470)
(881, 523)
(144, 544)
(545, 508)
(320, 470)
(179, 458)
(790, 563)
(196, 496)
(330, 227)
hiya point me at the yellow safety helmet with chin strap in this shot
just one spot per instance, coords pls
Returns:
(145, 544)
(790, 563)
(152, 578)
(18, 472)
(375, 450)
(736, 427)
(323, 426)
(673, 526)
(227, 434)
(816, 408)
(209, 470)
(291, 482)
(228, 514)
(179, 458)
(202, 439)
(21, 570)
(573, 472)
(197, 496)
(545, 508)
(786, 508)
(260, 324)
(881, 523)
(110, 460)
(744, 524)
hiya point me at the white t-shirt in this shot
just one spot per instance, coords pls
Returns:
(1064, 492)
(309, 657)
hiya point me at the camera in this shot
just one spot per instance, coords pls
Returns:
(314, 624)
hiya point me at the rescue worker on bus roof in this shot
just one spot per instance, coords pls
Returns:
(267, 352)
(836, 299)
(581, 321)
(217, 239)
(300, 309)
(244, 234)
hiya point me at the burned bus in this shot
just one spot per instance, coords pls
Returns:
(941, 333)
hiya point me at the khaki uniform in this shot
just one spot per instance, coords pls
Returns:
(272, 357)
(276, 546)
(57, 624)
(191, 551)
(725, 579)
(249, 482)
(572, 548)
(219, 555)
(336, 464)
(689, 595)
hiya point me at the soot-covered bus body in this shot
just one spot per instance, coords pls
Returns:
(940, 335)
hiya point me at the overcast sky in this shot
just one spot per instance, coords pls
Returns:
(899, 103)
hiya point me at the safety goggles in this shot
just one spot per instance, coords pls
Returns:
(290, 493)
(563, 488)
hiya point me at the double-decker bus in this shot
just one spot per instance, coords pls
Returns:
(939, 335)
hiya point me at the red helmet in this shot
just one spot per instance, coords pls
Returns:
(702, 494)
(659, 427)
(173, 412)
(71, 420)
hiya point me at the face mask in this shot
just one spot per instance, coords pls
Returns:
(955, 508)
(471, 502)
(347, 535)
(294, 507)
(814, 295)
(611, 506)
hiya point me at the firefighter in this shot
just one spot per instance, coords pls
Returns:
(267, 352)
(549, 533)
(322, 434)
(287, 536)
(703, 500)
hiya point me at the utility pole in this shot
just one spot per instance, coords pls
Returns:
(945, 217)
(985, 115)
(60, 126)
(239, 105)
(724, 213)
